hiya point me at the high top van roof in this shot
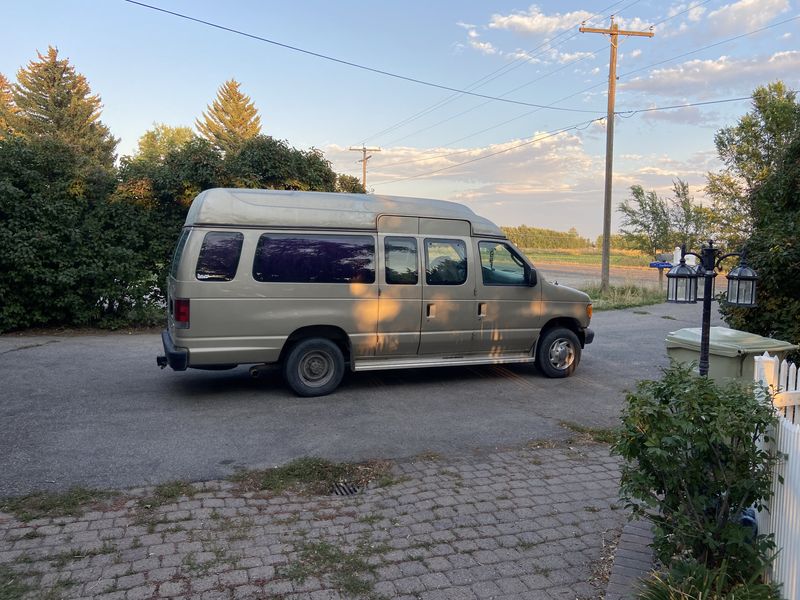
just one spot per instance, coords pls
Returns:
(278, 208)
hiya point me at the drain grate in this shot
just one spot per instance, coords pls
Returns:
(344, 488)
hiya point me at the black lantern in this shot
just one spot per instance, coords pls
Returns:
(742, 286)
(682, 287)
(682, 284)
(701, 278)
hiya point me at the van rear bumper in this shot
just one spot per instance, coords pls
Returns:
(177, 358)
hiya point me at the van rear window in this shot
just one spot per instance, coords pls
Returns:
(219, 256)
(176, 257)
(295, 258)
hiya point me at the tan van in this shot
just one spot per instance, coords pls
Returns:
(321, 282)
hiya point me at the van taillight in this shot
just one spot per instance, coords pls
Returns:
(181, 313)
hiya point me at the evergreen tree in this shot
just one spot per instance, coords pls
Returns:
(231, 119)
(53, 101)
(7, 108)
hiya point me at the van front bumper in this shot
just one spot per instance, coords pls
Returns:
(588, 336)
(177, 358)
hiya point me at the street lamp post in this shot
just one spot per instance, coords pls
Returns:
(682, 283)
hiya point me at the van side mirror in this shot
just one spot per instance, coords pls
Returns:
(530, 277)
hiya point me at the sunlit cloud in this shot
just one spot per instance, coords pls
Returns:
(701, 78)
(745, 15)
(534, 21)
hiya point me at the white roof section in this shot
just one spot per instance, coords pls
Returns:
(291, 209)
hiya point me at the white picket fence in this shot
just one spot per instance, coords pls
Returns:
(783, 517)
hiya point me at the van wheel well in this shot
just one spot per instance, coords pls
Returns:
(328, 332)
(567, 323)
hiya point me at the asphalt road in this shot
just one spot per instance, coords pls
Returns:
(95, 410)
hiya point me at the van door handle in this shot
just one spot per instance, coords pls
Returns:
(481, 309)
(431, 312)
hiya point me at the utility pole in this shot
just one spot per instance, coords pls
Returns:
(614, 32)
(363, 161)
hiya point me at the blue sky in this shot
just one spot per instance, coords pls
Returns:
(151, 67)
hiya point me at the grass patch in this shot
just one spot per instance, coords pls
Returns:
(594, 434)
(38, 505)
(221, 557)
(167, 493)
(349, 572)
(11, 585)
(622, 296)
(62, 559)
(587, 256)
(310, 475)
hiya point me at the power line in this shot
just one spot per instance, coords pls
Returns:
(349, 63)
(504, 70)
(484, 103)
(591, 87)
(578, 126)
(549, 134)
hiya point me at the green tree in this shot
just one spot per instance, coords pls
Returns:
(750, 151)
(348, 184)
(689, 221)
(156, 143)
(774, 252)
(264, 162)
(646, 221)
(53, 101)
(231, 118)
(68, 255)
(7, 108)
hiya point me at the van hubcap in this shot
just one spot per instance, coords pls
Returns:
(316, 368)
(561, 354)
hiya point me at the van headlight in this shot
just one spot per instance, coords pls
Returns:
(589, 311)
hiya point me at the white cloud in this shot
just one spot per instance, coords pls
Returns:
(745, 15)
(534, 21)
(699, 78)
(636, 53)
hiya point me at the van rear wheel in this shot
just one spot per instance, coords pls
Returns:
(314, 367)
(558, 352)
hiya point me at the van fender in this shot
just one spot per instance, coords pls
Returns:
(330, 332)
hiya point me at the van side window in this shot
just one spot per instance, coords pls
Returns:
(500, 265)
(445, 262)
(296, 258)
(219, 256)
(176, 258)
(401, 260)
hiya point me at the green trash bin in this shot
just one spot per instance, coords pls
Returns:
(730, 351)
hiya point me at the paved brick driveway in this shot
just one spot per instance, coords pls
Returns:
(521, 523)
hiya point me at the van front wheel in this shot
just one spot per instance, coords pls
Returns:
(314, 367)
(558, 353)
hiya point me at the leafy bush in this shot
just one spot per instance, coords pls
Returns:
(774, 252)
(693, 464)
(68, 253)
(690, 580)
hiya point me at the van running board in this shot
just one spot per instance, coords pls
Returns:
(378, 364)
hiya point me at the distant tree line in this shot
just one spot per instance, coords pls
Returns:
(536, 237)
(86, 242)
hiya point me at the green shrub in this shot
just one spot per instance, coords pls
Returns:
(693, 464)
(690, 580)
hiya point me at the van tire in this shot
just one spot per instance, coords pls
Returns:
(558, 352)
(314, 367)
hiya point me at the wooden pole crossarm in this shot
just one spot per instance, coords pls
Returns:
(616, 32)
